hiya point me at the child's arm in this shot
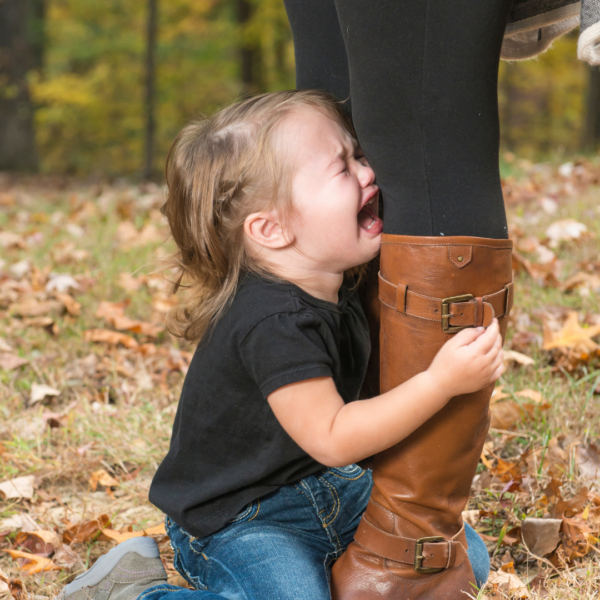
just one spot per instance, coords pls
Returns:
(337, 434)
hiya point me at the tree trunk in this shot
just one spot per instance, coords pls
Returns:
(249, 52)
(21, 50)
(590, 139)
(150, 87)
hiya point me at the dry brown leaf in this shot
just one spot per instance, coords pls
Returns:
(14, 586)
(130, 283)
(564, 230)
(66, 252)
(109, 337)
(508, 584)
(541, 535)
(128, 236)
(19, 487)
(66, 558)
(582, 280)
(83, 532)
(588, 461)
(33, 308)
(117, 536)
(42, 542)
(10, 240)
(101, 477)
(9, 361)
(32, 563)
(571, 335)
(39, 391)
(505, 415)
(73, 307)
(533, 395)
(517, 357)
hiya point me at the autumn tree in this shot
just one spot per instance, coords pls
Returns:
(21, 50)
(591, 127)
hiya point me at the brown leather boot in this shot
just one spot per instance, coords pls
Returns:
(411, 542)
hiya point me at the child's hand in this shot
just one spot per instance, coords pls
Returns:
(469, 361)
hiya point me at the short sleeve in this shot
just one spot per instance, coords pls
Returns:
(286, 348)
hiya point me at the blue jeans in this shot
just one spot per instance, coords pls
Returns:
(282, 546)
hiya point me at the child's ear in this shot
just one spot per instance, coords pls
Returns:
(265, 229)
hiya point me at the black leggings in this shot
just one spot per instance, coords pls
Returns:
(422, 77)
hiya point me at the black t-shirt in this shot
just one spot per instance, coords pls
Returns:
(227, 447)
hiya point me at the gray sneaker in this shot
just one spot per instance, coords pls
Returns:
(121, 574)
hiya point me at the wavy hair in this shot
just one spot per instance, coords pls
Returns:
(219, 170)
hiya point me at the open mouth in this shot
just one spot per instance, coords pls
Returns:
(367, 217)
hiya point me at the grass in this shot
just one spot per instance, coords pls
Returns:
(116, 405)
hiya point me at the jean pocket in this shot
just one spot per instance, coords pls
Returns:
(249, 512)
(350, 472)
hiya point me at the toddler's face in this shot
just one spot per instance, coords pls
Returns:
(334, 193)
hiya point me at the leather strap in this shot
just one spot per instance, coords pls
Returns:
(437, 555)
(473, 313)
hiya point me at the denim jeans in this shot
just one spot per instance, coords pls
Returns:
(282, 546)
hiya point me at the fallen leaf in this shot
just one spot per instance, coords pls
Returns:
(517, 357)
(10, 240)
(564, 230)
(582, 281)
(42, 542)
(73, 307)
(117, 536)
(39, 391)
(571, 335)
(14, 586)
(531, 395)
(509, 584)
(505, 415)
(9, 361)
(66, 558)
(109, 337)
(32, 563)
(33, 308)
(83, 532)
(101, 477)
(130, 283)
(541, 535)
(62, 282)
(66, 252)
(588, 461)
(20, 487)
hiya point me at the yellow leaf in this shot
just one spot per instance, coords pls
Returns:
(34, 563)
(571, 335)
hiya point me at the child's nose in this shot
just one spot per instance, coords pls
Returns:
(366, 175)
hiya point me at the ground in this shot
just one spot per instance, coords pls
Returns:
(89, 382)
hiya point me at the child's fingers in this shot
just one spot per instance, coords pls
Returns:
(497, 346)
(467, 336)
(485, 342)
(497, 373)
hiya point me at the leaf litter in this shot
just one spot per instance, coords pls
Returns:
(82, 311)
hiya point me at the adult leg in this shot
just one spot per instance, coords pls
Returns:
(321, 61)
(423, 77)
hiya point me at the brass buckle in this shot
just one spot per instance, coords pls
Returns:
(419, 558)
(446, 327)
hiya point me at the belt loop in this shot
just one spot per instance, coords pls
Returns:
(509, 287)
(401, 297)
(478, 311)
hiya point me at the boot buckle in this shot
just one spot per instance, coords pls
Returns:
(446, 327)
(419, 558)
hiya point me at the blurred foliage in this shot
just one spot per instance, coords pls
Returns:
(90, 94)
(542, 101)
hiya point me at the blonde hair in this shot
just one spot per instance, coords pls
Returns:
(220, 170)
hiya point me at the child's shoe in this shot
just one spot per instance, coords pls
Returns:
(122, 574)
